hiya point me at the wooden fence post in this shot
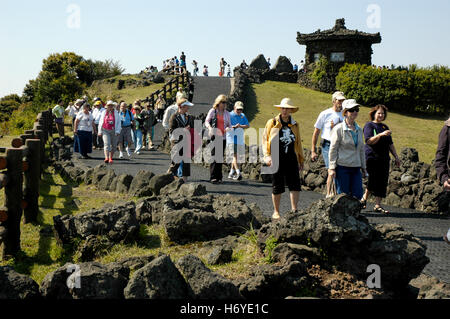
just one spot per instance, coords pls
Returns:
(13, 201)
(40, 135)
(32, 178)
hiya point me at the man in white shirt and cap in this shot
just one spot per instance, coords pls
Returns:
(326, 121)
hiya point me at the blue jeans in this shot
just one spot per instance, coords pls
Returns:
(349, 181)
(138, 140)
(325, 152)
(180, 170)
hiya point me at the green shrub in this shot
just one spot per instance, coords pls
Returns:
(410, 89)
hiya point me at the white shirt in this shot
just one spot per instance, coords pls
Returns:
(86, 121)
(72, 110)
(97, 113)
(167, 114)
(323, 122)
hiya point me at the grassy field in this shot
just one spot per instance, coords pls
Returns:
(419, 132)
(41, 254)
(109, 91)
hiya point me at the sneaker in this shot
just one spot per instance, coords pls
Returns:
(231, 175)
(128, 153)
(214, 181)
(137, 153)
(237, 177)
(120, 154)
(106, 160)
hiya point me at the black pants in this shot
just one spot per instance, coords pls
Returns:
(378, 170)
(97, 141)
(215, 168)
(287, 174)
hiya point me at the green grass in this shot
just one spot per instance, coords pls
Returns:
(419, 132)
(40, 252)
(109, 91)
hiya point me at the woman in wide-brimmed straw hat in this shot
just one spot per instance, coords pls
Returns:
(282, 147)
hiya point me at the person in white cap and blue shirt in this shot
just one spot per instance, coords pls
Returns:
(326, 121)
(347, 157)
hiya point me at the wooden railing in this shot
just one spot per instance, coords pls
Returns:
(169, 87)
(20, 173)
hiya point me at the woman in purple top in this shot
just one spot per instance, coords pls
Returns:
(378, 145)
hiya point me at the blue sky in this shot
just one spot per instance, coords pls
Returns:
(140, 33)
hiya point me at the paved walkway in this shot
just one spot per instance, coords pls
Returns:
(427, 227)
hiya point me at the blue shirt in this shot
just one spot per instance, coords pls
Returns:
(236, 136)
(354, 133)
(126, 118)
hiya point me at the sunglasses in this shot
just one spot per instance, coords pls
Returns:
(355, 109)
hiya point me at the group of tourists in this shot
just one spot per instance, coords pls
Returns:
(350, 152)
(110, 126)
(225, 130)
(175, 65)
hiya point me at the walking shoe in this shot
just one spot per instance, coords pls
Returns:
(106, 160)
(137, 153)
(237, 177)
(128, 153)
(231, 175)
(120, 154)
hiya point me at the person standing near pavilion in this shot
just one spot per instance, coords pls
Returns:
(326, 121)
(284, 131)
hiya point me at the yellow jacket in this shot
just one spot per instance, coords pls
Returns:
(272, 130)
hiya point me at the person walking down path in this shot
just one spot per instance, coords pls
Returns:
(378, 145)
(205, 70)
(326, 121)
(83, 127)
(235, 140)
(149, 121)
(72, 110)
(442, 163)
(109, 129)
(97, 113)
(185, 121)
(160, 107)
(139, 123)
(127, 122)
(288, 159)
(218, 123)
(58, 112)
(347, 158)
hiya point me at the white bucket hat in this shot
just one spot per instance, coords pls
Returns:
(287, 104)
(348, 104)
(111, 103)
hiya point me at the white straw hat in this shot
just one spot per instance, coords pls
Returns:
(286, 103)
